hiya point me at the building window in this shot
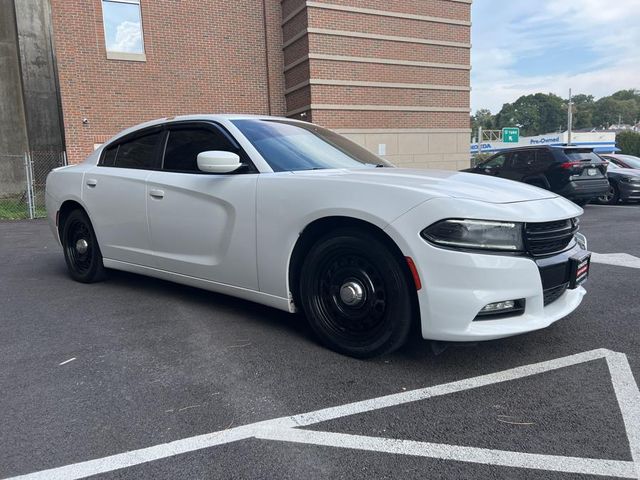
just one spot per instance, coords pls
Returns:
(123, 29)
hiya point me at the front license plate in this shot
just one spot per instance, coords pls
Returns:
(579, 269)
(592, 172)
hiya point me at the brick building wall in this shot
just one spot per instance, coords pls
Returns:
(391, 74)
(207, 56)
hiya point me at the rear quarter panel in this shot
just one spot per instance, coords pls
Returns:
(63, 183)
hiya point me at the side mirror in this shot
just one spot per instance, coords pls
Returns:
(217, 161)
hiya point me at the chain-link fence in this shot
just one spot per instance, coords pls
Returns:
(22, 183)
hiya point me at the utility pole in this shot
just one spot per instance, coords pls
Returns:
(479, 139)
(570, 119)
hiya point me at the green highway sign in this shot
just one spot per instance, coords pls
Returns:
(511, 135)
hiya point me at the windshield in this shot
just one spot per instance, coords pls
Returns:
(289, 146)
(633, 162)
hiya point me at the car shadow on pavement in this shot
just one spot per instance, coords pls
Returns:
(534, 346)
(193, 296)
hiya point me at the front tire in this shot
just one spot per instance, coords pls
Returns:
(355, 293)
(612, 197)
(81, 250)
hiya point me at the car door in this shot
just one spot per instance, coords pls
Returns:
(201, 224)
(543, 166)
(522, 164)
(115, 194)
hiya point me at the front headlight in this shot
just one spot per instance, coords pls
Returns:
(476, 234)
(631, 179)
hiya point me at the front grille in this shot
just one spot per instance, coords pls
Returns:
(549, 237)
(553, 294)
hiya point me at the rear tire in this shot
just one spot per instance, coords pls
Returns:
(612, 197)
(81, 250)
(355, 293)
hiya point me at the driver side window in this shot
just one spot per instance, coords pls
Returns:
(185, 143)
(495, 162)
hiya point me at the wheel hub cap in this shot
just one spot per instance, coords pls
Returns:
(352, 293)
(82, 246)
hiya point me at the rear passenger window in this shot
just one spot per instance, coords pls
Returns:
(184, 145)
(544, 157)
(109, 157)
(139, 153)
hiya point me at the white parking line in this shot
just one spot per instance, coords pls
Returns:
(318, 416)
(287, 429)
(616, 259)
(585, 466)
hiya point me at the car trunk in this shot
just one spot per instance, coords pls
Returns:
(583, 164)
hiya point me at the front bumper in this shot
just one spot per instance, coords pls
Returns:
(456, 285)
(629, 191)
(467, 282)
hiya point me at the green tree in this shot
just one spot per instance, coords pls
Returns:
(622, 106)
(534, 114)
(631, 94)
(483, 118)
(584, 105)
(629, 142)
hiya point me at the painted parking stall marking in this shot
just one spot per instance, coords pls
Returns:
(616, 259)
(288, 429)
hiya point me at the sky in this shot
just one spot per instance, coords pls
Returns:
(123, 27)
(528, 46)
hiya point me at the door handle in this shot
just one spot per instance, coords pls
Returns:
(92, 182)
(156, 193)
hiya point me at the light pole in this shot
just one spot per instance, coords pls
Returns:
(570, 119)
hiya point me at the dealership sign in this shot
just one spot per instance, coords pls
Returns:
(602, 141)
(545, 140)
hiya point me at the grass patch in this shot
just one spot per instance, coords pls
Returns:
(11, 209)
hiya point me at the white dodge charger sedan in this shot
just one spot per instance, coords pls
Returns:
(294, 216)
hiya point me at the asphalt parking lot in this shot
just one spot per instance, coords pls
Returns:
(91, 372)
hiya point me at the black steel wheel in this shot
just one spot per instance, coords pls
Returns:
(611, 197)
(355, 294)
(81, 250)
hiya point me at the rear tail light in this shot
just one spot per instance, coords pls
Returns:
(568, 165)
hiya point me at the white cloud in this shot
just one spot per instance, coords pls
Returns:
(508, 34)
(128, 38)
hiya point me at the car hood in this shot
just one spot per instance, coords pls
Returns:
(624, 172)
(439, 183)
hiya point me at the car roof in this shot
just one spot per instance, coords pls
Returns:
(195, 117)
(545, 147)
(566, 146)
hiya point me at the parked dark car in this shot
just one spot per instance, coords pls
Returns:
(625, 185)
(576, 173)
(623, 161)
